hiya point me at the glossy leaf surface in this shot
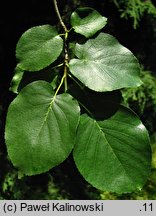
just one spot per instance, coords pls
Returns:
(105, 65)
(87, 21)
(114, 154)
(40, 128)
(38, 47)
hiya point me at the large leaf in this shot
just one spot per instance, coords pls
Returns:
(40, 128)
(38, 47)
(87, 21)
(105, 65)
(114, 154)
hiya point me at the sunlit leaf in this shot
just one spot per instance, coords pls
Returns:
(87, 21)
(38, 47)
(105, 65)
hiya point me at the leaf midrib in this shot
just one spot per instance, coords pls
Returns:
(45, 118)
(104, 136)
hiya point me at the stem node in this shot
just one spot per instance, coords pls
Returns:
(66, 57)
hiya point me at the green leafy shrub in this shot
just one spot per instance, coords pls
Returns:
(143, 99)
(30, 188)
(46, 122)
(135, 9)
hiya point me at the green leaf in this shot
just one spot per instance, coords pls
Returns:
(105, 65)
(38, 47)
(114, 154)
(87, 21)
(40, 128)
(15, 82)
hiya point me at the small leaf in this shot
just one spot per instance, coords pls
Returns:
(105, 65)
(38, 47)
(87, 21)
(114, 154)
(40, 128)
(15, 82)
(54, 82)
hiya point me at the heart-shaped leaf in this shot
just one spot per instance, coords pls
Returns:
(114, 154)
(87, 21)
(40, 128)
(105, 65)
(38, 47)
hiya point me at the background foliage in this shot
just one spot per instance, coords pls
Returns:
(133, 23)
(135, 10)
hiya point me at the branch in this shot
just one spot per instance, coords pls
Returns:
(59, 16)
(66, 57)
